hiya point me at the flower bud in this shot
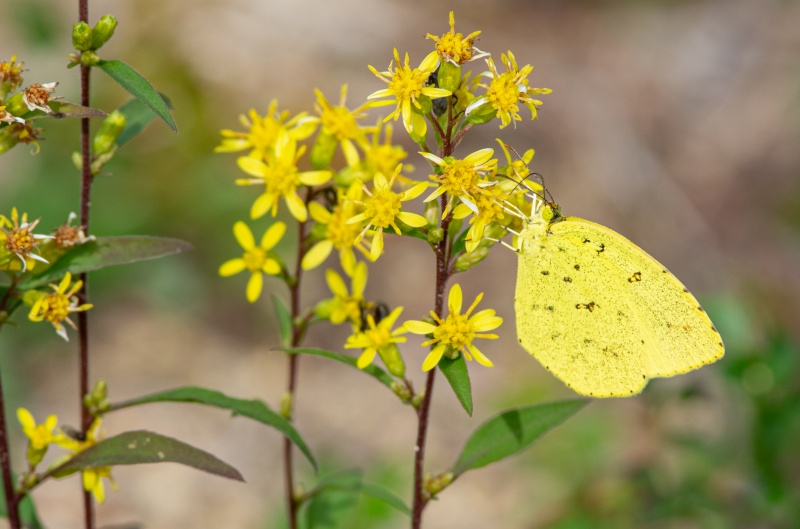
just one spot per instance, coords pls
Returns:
(468, 260)
(402, 391)
(481, 114)
(7, 141)
(433, 212)
(393, 360)
(90, 58)
(323, 151)
(449, 76)
(108, 133)
(103, 30)
(82, 36)
(15, 105)
(286, 406)
(435, 235)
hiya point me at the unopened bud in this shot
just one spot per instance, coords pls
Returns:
(103, 30)
(323, 150)
(435, 235)
(108, 132)
(82, 36)
(449, 76)
(286, 406)
(468, 260)
(90, 58)
(393, 360)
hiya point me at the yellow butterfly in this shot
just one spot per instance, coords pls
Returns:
(600, 313)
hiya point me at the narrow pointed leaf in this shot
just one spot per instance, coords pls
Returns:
(373, 370)
(141, 446)
(284, 321)
(62, 109)
(386, 496)
(252, 409)
(457, 375)
(511, 432)
(139, 87)
(106, 251)
(137, 117)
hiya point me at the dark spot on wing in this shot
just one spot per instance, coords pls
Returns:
(567, 279)
(545, 272)
(635, 278)
(577, 267)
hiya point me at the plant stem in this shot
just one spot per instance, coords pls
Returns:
(292, 503)
(423, 414)
(83, 318)
(12, 500)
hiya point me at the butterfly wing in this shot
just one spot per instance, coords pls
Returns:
(606, 316)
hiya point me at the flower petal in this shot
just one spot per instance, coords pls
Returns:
(480, 357)
(273, 235)
(254, 286)
(336, 283)
(243, 235)
(296, 207)
(317, 254)
(419, 327)
(454, 299)
(232, 267)
(412, 219)
(432, 360)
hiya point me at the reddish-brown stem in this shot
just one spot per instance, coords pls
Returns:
(298, 330)
(12, 498)
(442, 275)
(83, 319)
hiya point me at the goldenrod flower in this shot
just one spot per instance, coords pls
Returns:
(10, 75)
(455, 47)
(37, 96)
(457, 331)
(340, 123)
(57, 307)
(344, 306)
(383, 157)
(91, 477)
(257, 259)
(282, 178)
(379, 338)
(338, 233)
(40, 436)
(66, 236)
(382, 209)
(263, 131)
(460, 178)
(490, 203)
(406, 86)
(507, 90)
(17, 239)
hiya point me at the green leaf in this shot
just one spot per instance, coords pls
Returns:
(141, 446)
(511, 432)
(253, 409)
(373, 370)
(62, 109)
(139, 87)
(284, 321)
(333, 501)
(351, 480)
(457, 375)
(137, 117)
(103, 252)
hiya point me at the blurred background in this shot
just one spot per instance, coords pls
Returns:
(673, 122)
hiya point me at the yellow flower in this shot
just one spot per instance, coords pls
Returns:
(406, 86)
(257, 259)
(382, 209)
(340, 123)
(40, 436)
(56, 307)
(344, 306)
(456, 48)
(262, 132)
(282, 178)
(10, 75)
(384, 157)
(338, 234)
(490, 202)
(17, 239)
(457, 331)
(91, 477)
(460, 178)
(506, 90)
(379, 338)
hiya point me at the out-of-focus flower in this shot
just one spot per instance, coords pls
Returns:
(40, 436)
(57, 307)
(17, 239)
(379, 338)
(256, 259)
(92, 477)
